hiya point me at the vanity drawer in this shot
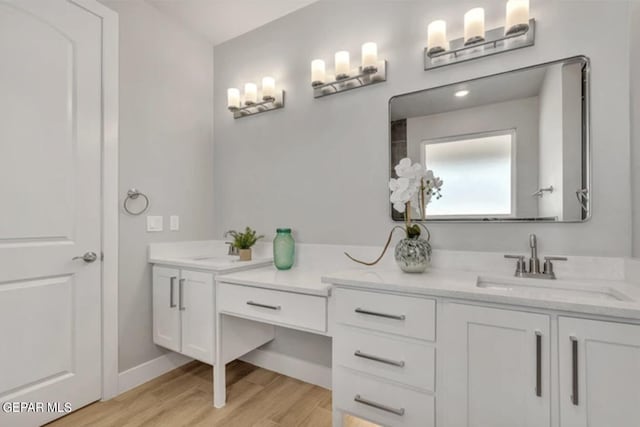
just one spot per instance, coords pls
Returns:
(381, 402)
(393, 358)
(407, 316)
(286, 308)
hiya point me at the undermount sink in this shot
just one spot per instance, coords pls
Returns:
(551, 289)
(224, 261)
(216, 261)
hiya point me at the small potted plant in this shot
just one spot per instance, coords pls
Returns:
(244, 242)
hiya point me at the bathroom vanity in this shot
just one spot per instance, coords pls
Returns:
(445, 349)
(451, 347)
(184, 300)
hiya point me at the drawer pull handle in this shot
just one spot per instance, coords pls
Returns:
(385, 408)
(181, 306)
(172, 283)
(574, 370)
(385, 315)
(270, 307)
(358, 353)
(538, 363)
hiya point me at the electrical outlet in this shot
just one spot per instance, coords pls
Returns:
(154, 223)
(174, 223)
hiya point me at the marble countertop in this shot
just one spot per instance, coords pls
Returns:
(612, 288)
(215, 264)
(299, 280)
(613, 298)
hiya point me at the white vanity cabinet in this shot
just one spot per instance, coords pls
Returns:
(183, 311)
(402, 359)
(599, 373)
(494, 367)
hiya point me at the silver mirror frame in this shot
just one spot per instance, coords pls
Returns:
(587, 157)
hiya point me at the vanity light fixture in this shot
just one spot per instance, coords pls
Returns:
(474, 26)
(342, 65)
(517, 17)
(268, 89)
(518, 32)
(369, 58)
(437, 37)
(461, 93)
(271, 99)
(250, 93)
(371, 71)
(318, 72)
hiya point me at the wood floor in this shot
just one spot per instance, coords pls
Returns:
(183, 397)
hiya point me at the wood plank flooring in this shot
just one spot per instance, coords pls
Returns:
(256, 397)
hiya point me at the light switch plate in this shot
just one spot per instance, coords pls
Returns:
(154, 223)
(174, 223)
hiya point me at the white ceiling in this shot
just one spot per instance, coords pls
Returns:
(221, 20)
(488, 90)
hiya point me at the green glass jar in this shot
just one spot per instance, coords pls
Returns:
(283, 249)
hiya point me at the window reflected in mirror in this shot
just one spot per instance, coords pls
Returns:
(478, 173)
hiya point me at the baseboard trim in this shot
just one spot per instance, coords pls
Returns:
(138, 375)
(290, 366)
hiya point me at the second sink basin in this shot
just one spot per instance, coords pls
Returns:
(541, 288)
(217, 259)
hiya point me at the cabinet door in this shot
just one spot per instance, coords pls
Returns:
(601, 361)
(494, 368)
(166, 317)
(196, 306)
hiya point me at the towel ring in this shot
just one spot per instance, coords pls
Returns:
(133, 194)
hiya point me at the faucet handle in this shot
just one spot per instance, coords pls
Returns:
(521, 266)
(548, 265)
(556, 258)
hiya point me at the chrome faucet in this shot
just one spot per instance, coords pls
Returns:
(232, 249)
(534, 263)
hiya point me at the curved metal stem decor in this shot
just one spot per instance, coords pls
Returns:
(386, 246)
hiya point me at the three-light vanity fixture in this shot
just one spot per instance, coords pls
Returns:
(271, 99)
(518, 32)
(370, 71)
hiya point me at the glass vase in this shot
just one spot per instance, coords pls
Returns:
(283, 249)
(413, 254)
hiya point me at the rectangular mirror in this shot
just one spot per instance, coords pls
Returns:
(509, 147)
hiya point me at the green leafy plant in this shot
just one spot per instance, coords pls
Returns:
(244, 240)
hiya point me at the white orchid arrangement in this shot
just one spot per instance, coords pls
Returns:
(414, 188)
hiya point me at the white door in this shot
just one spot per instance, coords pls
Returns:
(197, 315)
(599, 373)
(494, 368)
(166, 316)
(50, 142)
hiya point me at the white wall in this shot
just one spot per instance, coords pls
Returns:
(520, 114)
(321, 165)
(634, 18)
(550, 155)
(166, 151)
